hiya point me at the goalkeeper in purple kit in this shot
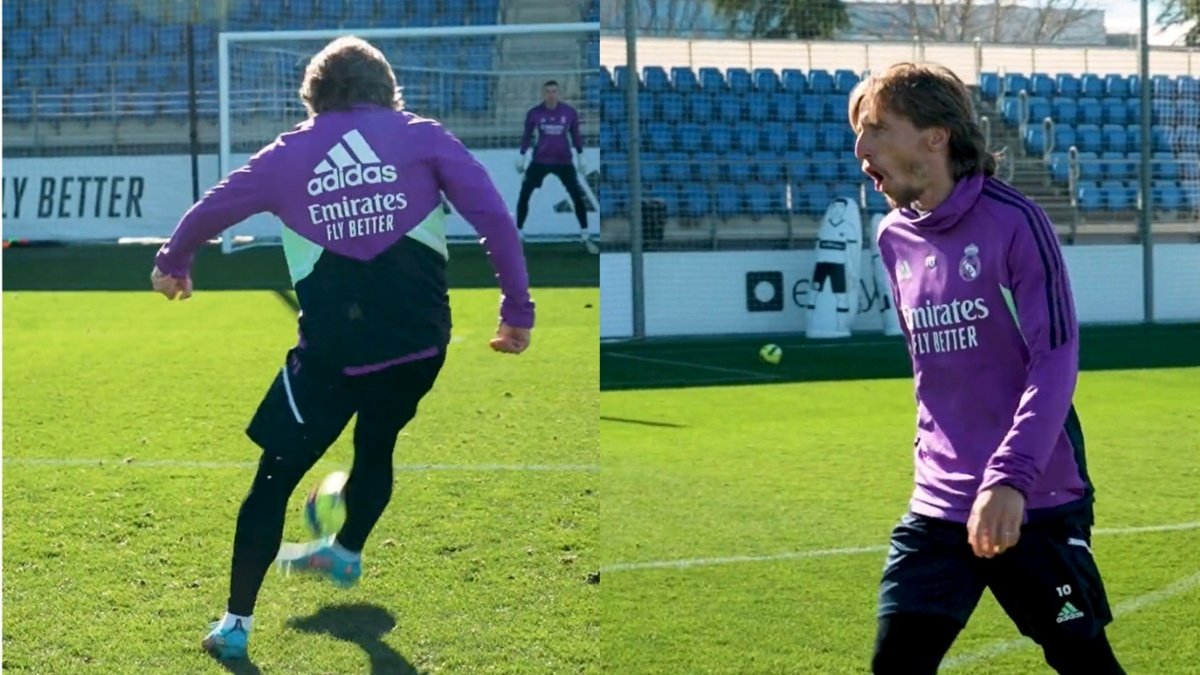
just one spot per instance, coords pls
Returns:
(358, 188)
(557, 128)
(1002, 498)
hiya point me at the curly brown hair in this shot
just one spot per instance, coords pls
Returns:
(347, 72)
(928, 95)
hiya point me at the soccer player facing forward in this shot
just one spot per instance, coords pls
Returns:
(1002, 498)
(357, 188)
(553, 121)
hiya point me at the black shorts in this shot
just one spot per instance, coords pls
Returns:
(537, 172)
(1048, 584)
(308, 406)
(833, 272)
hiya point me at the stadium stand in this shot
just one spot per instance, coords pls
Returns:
(748, 146)
(80, 73)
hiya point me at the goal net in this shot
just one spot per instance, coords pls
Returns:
(479, 81)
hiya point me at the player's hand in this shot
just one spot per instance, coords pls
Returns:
(995, 522)
(521, 164)
(170, 286)
(510, 340)
(581, 166)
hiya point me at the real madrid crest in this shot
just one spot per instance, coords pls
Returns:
(969, 266)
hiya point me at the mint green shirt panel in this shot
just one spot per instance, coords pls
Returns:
(301, 255)
(432, 232)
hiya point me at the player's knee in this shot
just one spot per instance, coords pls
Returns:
(1070, 653)
(912, 644)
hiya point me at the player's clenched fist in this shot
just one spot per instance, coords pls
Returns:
(510, 339)
(170, 286)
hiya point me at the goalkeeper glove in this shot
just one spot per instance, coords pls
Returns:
(521, 164)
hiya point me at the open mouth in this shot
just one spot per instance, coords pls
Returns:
(875, 175)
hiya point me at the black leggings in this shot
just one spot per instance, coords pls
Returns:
(533, 181)
(914, 644)
(385, 402)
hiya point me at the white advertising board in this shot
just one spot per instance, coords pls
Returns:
(106, 198)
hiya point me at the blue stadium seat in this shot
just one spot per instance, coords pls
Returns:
(684, 80)
(612, 136)
(62, 76)
(729, 107)
(1010, 111)
(804, 136)
(159, 74)
(1065, 110)
(739, 80)
(728, 200)
(653, 167)
(835, 108)
(830, 136)
(758, 107)
(1162, 111)
(1163, 166)
(1088, 138)
(784, 107)
(1187, 87)
(720, 138)
(989, 86)
(658, 137)
(758, 200)
(812, 108)
(827, 167)
(847, 190)
(140, 40)
(10, 13)
(1161, 86)
(689, 137)
(79, 43)
(333, 13)
(1189, 166)
(612, 105)
(712, 79)
(698, 106)
(1164, 138)
(671, 107)
(358, 15)
(1115, 85)
(766, 80)
(794, 81)
(1064, 137)
(614, 199)
(61, 12)
(621, 76)
(606, 80)
(1187, 112)
(50, 44)
(707, 168)
(694, 201)
(1167, 196)
(1090, 111)
(1035, 140)
(1067, 84)
(738, 167)
(1089, 167)
(798, 165)
(845, 80)
(770, 168)
(647, 106)
(1038, 109)
(679, 167)
(1113, 111)
(1060, 168)
(1119, 198)
(1133, 110)
(1015, 83)
(1090, 198)
(820, 82)
(1113, 138)
(747, 138)
(18, 42)
(850, 169)
(615, 166)
(1091, 86)
(655, 78)
(1114, 166)
(775, 136)
(1187, 139)
(1135, 86)
(1041, 84)
(816, 198)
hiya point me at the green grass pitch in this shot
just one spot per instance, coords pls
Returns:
(481, 563)
(768, 506)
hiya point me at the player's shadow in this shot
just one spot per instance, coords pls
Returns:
(364, 625)
(241, 667)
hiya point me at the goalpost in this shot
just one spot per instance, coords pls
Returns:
(477, 80)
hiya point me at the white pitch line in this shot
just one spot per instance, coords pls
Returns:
(820, 553)
(689, 364)
(399, 468)
(1135, 604)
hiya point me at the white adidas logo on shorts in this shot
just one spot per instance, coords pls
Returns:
(350, 162)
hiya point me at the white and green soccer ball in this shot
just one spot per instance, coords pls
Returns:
(771, 353)
(325, 508)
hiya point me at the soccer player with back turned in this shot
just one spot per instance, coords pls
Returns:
(553, 121)
(357, 187)
(1002, 499)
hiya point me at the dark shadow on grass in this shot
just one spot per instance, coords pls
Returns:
(288, 299)
(647, 423)
(364, 625)
(240, 666)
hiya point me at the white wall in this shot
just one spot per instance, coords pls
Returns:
(104, 198)
(705, 293)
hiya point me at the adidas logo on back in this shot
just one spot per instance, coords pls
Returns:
(350, 162)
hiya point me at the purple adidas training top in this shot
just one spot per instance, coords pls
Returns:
(987, 311)
(553, 127)
(359, 194)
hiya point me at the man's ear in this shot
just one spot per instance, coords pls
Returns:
(937, 138)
